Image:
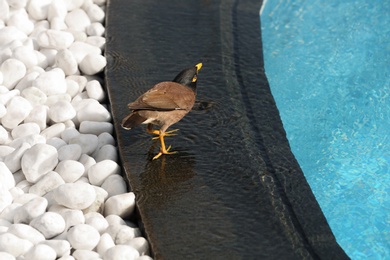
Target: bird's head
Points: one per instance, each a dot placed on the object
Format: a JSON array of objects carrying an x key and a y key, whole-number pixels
[{"x": 189, "y": 77}]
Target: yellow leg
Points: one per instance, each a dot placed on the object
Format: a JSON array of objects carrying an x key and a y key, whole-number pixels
[{"x": 163, "y": 149}]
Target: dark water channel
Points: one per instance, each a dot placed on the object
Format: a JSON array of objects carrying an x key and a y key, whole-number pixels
[{"x": 234, "y": 189}]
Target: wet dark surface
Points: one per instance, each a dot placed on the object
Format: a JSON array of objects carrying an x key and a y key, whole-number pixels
[{"x": 233, "y": 190}]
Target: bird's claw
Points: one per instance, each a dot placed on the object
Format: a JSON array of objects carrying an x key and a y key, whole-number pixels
[{"x": 162, "y": 151}]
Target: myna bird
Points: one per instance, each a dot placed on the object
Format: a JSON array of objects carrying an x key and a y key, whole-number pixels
[{"x": 164, "y": 105}]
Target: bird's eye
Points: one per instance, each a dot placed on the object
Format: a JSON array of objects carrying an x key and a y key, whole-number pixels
[{"x": 194, "y": 78}]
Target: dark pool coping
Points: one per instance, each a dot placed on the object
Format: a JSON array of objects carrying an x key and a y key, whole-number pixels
[{"x": 171, "y": 192}]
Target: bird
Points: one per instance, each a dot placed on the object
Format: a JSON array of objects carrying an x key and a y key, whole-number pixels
[{"x": 165, "y": 104}]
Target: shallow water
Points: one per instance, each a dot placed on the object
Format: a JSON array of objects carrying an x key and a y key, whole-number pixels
[{"x": 328, "y": 68}]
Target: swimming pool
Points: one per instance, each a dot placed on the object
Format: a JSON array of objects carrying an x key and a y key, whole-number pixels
[{"x": 328, "y": 64}]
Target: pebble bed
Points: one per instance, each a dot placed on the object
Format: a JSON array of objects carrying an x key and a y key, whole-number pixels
[{"x": 62, "y": 195}]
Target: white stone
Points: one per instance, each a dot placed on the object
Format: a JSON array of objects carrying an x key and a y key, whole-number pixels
[
  {"x": 28, "y": 139},
  {"x": 57, "y": 9},
  {"x": 92, "y": 64},
  {"x": 87, "y": 142},
  {"x": 20, "y": 20},
  {"x": 100, "y": 171},
  {"x": 25, "y": 55},
  {"x": 6, "y": 178},
  {"x": 54, "y": 39},
  {"x": 95, "y": 13},
  {"x": 62, "y": 111},
  {"x": 87, "y": 161},
  {"x": 50, "y": 224},
  {"x": 38, "y": 9},
  {"x": 25, "y": 130},
  {"x": 81, "y": 81},
  {"x": 81, "y": 49},
  {"x": 125, "y": 234},
  {"x": 74, "y": 4},
  {"x": 77, "y": 19},
  {"x": 46, "y": 57},
  {"x": 120, "y": 252},
  {"x": 69, "y": 133},
  {"x": 4, "y": 10},
  {"x": 5, "y": 199},
  {"x": 114, "y": 220},
  {"x": 85, "y": 254},
  {"x": 14, "y": 245},
  {"x": 4, "y": 136},
  {"x": 25, "y": 197},
  {"x": 95, "y": 90},
  {"x": 70, "y": 170},
  {"x": 38, "y": 115},
  {"x": 13, "y": 160},
  {"x": 18, "y": 109},
  {"x": 53, "y": 131},
  {"x": 27, "y": 232},
  {"x": 140, "y": 244},
  {"x": 24, "y": 186},
  {"x": 48, "y": 182},
  {"x": 51, "y": 82},
  {"x": 39, "y": 160},
  {"x": 95, "y": 29},
  {"x": 41, "y": 252},
  {"x": 98, "y": 204},
  {"x": 97, "y": 41},
  {"x": 72, "y": 87},
  {"x": 96, "y": 220},
  {"x": 13, "y": 71},
  {"x": 30, "y": 210},
  {"x": 72, "y": 218},
  {"x": 5, "y": 255},
  {"x": 57, "y": 143},
  {"x": 114, "y": 185},
  {"x": 17, "y": 4},
  {"x": 3, "y": 110},
  {"x": 6, "y": 96},
  {"x": 106, "y": 152},
  {"x": 27, "y": 80},
  {"x": 66, "y": 61},
  {"x": 94, "y": 111},
  {"x": 15, "y": 191},
  {"x": 96, "y": 128},
  {"x": 8, "y": 212},
  {"x": 9, "y": 34},
  {"x": 122, "y": 205},
  {"x": 69, "y": 152},
  {"x": 61, "y": 247},
  {"x": 5, "y": 150},
  {"x": 83, "y": 236},
  {"x": 54, "y": 99},
  {"x": 75, "y": 195},
  {"x": 58, "y": 24},
  {"x": 105, "y": 243},
  {"x": 34, "y": 95},
  {"x": 79, "y": 36}
]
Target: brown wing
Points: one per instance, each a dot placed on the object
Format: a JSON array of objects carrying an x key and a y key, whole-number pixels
[{"x": 165, "y": 96}]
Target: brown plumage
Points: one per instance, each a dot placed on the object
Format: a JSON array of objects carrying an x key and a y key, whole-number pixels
[{"x": 164, "y": 105}]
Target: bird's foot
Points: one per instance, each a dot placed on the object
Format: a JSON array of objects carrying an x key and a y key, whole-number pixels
[
  {"x": 169, "y": 133},
  {"x": 163, "y": 151}
]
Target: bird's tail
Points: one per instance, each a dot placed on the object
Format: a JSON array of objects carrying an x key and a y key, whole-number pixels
[{"x": 132, "y": 120}]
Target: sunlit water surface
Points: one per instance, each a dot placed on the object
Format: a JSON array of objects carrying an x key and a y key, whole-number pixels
[{"x": 328, "y": 64}]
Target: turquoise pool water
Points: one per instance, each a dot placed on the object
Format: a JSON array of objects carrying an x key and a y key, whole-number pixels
[{"x": 328, "y": 64}]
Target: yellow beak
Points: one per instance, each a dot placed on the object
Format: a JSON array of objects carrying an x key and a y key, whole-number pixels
[{"x": 198, "y": 66}]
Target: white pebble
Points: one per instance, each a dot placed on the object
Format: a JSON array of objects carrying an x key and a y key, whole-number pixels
[
  {"x": 69, "y": 152},
  {"x": 5, "y": 199},
  {"x": 61, "y": 111},
  {"x": 6, "y": 256},
  {"x": 69, "y": 133},
  {"x": 27, "y": 232},
  {"x": 27, "y": 80},
  {"x": 107, "y": 152},
  {"x": 9, "y": 34},
  {"x": 57, "y": 9},
  {"x": 51, "y": 82},
  {"x": 53, "y": 131},
  {"x": 114, "y": 185},
  {"x": 6, "y": 178},
  {"x": 38, "y": 9},
  {"x": 34, "y": 95},
  {"x": 13, "y": 71},
  {"x": 4, "y": 10},
  {"x": 29, "y": 139},
  {"x": 95, "y": 13},
  {"x": 72, "y": 218},
  {"x": 57, "y": 143},
  {"x": 8, "y": 213},
  {"x": 96, "y": 220},
  {"x": 19, "y": 19},
  {"x": 125, "y": 234},
  {"x": 80, "y": 49},
  {"x": 38, "y": 115},
  {"x": 98, "y": 204},
  {"x": 30, "y": 210},
  {"x": 46, "y": 57},
  {"x": 140, "y": 244},
  {"x": 25, "y": 186},
  {"x": 94, "y": 111},
  {"x": 70, "y": 170},
  {"x": 41, "y": 252},
  {"x": 7, "y": 95},
  {"x": 53, "y": 99},
  {"x": 5, "y": 150},
  {"x": 120, "y": 252},
  {"x": 66, "y": 61},
  {"x": 83, "y": 236},
  {"x": 95, "y": 29},
  {"x": 25, "y": 129},
  {"x": 97, "y": 41},
  {"x": 92, "y": 64},
  {"x": 25, "y": 55},
  {"x": 48, "y": 182},
  {"x": 77, "y": 20},
  {"x": 95, "y": 90},
  {"x": 4, "y": 136},
  {"x": 85, "y": 254},
  {"x": 87, "y": 142},
  {"x": 61, "y": 247},
  {"x": 75, "y": 195},
  {"x": 96, "y": 128},
  {"x": 50, "y": 224},
  {"x": 122, "y": 205},
  {"x": 39, "y": 160},
  {"x": 18, "y": 109},
  {"x": 106, "y": 242},
  {"x": 13, "y": 160},
  {"x": 100, "y": 171},
  {"x": 14, "y": 245}
]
